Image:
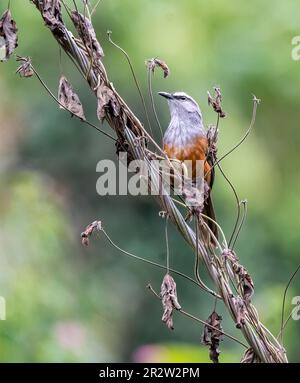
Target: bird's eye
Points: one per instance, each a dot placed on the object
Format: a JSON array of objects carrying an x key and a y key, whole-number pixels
[{"x": 182, "y": 98}]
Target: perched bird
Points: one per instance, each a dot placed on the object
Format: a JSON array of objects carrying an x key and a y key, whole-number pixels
[{"x": 186, "y": 139}]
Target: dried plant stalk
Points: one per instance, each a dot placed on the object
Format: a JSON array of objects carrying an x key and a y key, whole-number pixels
[{"x": 222, "y": 269}]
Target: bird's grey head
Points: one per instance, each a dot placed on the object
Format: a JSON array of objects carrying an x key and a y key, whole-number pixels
[{"x": 182, "y": 106}]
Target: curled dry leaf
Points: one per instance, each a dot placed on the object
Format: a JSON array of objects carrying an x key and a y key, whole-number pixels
[
  {"x": 248, "y": 287},
  {"x": 212, "y": 138},
  {"x": 51, "y": 11},
  {"x": 216, "y": 102},
  {"x": 245, "y": 281},
  {"x": 193, "y": 197},
  {"x": 25, "y": 69},
  {"x": 8, "y": 36},
  {"x": 240, "y": 311},
  {"x": 155, "y": 62},
  {"x": 212, "y": 336},
  {"x": 168, "y": 295},
  {"x": 107, "y": 102},
  {"x": 69, "y": 99},
  {"x": 89, "y": 230},
  {"x": 87, "y": 34}
]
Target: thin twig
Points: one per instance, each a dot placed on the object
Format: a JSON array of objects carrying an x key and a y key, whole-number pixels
[
  {"x": 245, "y": 204},
  {"x": 148, "y": 261},
  {"x": 217, "y": 163},
  {"x": 86, "y": 10},
  {"x": 95, "y": 7},
  {"x": 167, "y": 244},
  {"x": 285, "y": 324},
  {"x": 255, "y": 104},
  {"x": 185, "y": 313},
  {"x": 284, "y": 299},
  {"x": 88, "y": 51},
  {"x": 152, "y": 101},
  {"x": 60, "y": 104},
  {"x": 197, "y": 256},
  {"x": 134, "y": 78},
  {"x": 219, "y": 227},
  {"x": 237, "y": 202}
]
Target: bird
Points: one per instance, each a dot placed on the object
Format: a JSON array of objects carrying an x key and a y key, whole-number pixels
[{"x": 186, "y": 140}]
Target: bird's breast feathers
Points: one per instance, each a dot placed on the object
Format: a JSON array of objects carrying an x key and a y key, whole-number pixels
[
  {"x": 185, "y": 143},
  {"x": 187, "y": 147}
]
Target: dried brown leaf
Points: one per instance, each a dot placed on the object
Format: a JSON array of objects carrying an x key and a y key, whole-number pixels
[
  {"x": 248, "y": 288},
  {"x": 245, "y": 281},
  {"x": 107, "y": 102},
  {"x": 25, "y": 69},
  {"x": 87, "y": 34},
  {"x": 155, "y": 62},
  {"x": 8, "y": 36},
  {"x": 69, "y": 99},
  {"x": 212, "y": 138},
  {"x": 240, "y": 311},
  {"x": 212, "y": 336},
  {"x": 89, "y": 230},
  {"x": 216, "y": 101},
  {"x": 169, "y": 300},
  {"x": 51, "y": 11},
  {"x": 194, "y": 198}
]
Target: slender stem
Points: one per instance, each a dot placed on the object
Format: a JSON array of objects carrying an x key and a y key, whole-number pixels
[
  {"x": 219, "y": 227},
  {"x": 285, "y": 324},
  {"x": 217, "y": 163},
  {"x": 75, "y": 5},
  {"x": 212, "y": 327},
  {"x": 134, "y": 78},
  {"x": 88, "y": 51},
  {"x": 284, "y": 299},
  {"x": 152, "y": 101},
  {"x": 60, "y": 104},
  {"x": 167, "y": 244},
  {"x": 185, "y": 313},
  {"x": 95, "y": 7},
  {"x": 86, "y": 10},
  {"x": 244, "y": 203},
  {"x": 255, "y": 104},
  {"x": 197, "y": 256},
  {"x": 237, "y": 202},
  {"x": 148, "y": 261}
]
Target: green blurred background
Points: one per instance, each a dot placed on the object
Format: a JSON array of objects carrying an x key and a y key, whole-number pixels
[{"x": 69, "y": 303}]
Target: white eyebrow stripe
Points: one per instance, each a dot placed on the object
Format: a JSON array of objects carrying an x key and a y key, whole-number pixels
[{"x": 182, "y": 94}]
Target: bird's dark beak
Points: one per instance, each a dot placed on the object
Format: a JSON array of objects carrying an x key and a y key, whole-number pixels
[{"x": 166, "y": 95}]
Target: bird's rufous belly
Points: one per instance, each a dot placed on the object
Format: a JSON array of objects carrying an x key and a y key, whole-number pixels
[{"x": 195, "y": 151}]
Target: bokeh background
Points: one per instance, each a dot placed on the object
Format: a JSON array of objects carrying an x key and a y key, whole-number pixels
[{"x": 69, "y": 303}]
